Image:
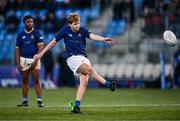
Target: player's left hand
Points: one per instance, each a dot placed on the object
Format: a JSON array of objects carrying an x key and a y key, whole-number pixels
[{"x": 109, "y": 40}]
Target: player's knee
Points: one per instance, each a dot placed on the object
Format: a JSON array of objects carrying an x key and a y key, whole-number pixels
[
  {"x": 36, "y": 81},
  {"x": 88, "y": 71},
  {"x": 25, "y": 82},
  {"x": 85, "y": 69}
]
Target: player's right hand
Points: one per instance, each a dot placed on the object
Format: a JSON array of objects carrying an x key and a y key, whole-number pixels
[{"x": 37, "y": 56}]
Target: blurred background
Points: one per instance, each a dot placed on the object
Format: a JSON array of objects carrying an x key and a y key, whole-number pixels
[{"x": 138, "y": 59}]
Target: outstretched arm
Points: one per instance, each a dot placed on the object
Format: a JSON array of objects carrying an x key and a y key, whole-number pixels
[
  {"x": 49, "y": 46},
  {"x": 100, "y": 38}
]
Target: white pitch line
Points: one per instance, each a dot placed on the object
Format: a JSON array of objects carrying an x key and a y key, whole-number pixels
[
  {"x": 124, "y": 105},
  {"x": 134, "y": 105},
  {"x": 120, "y": 105}
]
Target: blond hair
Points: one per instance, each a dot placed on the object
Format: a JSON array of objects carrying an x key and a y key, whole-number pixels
[{"x": 73, "y": 18}]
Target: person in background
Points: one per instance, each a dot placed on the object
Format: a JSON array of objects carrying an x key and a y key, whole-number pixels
[{"x": 29, "y": 42}]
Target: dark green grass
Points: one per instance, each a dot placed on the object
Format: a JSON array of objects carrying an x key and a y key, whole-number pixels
[{"x": 98, "y": 104}]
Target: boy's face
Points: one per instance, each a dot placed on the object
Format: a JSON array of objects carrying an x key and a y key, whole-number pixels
[
  {"x": 75, "y": 26},
  {"x": 29, "y": 23}
]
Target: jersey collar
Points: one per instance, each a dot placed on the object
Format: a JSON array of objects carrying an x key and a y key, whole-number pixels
[{"x": 29, "y": 31}]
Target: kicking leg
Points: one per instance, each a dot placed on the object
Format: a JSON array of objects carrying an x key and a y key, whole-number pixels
[{"x": 86, "y": 69}]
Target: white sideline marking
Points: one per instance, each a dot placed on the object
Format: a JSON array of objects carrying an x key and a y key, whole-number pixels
[
  {"x": 120, "y": 105},
  {"x": 128, "y": 105},
  {"x": 134, "y": 105}
]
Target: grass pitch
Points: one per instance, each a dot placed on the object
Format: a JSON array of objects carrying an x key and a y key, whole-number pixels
[{"x": 98, "y": 104}]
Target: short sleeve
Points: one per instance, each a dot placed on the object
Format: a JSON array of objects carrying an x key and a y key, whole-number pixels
[
  {"x": 60, "y": 35},
  {"x": 86, "y": 32},
  {"x": 18, "y": 41},
  {"x": 40, "y": 37}
]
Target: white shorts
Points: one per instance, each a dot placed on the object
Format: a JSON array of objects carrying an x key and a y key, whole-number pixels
[
  {"x": 26, "y": 63},
  {"x": 75, "y": 61}
]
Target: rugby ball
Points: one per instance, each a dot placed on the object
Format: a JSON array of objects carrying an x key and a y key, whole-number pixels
[{"x": 170, "y": 37}]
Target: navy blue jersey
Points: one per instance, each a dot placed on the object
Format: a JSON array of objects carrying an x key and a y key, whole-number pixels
[
  {"x": 75, "y": 42},
  {"x": 27, "y": 43}
]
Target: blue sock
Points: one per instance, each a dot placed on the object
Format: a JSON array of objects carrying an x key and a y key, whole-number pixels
[
  {"x": 77, "y": 103},
  {"x": 107, "y": 84}
]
